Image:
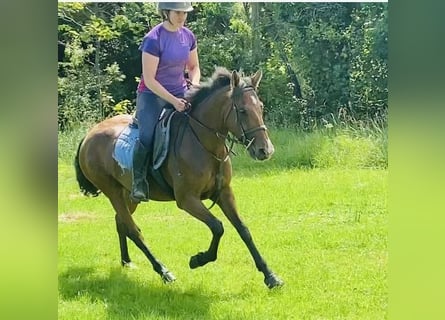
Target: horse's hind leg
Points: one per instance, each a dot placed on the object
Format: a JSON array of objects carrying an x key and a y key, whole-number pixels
[
  {"x": 198, "y": 210},
  {"x": 126, "y": 227},
  {"x": 122, "y": 232},
  {"x": 227, "y": 203}
]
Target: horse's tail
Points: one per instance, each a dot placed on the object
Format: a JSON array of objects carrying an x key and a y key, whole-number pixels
[{"x": 86, "y": 186}]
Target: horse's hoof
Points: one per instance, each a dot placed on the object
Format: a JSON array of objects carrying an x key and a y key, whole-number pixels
[
  {"x": 195, "y": 261},
  {"x": 168, "y": 277},
  {"x": 273, "y": 281},
  {"x": 129, "y": 265}
]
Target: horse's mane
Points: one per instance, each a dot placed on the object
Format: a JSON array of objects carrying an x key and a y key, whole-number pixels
[{"x": 220, "y": 79}]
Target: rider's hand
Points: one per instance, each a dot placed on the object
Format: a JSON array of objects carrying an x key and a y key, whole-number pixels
[{"x": 180, "y": 104}]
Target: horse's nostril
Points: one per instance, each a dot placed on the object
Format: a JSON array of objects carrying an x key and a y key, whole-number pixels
[{"x": 262, "y": 154}]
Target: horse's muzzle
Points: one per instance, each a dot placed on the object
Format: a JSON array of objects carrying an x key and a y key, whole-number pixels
[{"x": 262, "y": 152}]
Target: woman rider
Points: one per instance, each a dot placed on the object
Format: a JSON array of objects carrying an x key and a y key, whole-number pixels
[{"x": 167, "y": 51}]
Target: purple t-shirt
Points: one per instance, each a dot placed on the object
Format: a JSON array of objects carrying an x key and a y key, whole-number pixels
[{"x": 173, "y": 50}]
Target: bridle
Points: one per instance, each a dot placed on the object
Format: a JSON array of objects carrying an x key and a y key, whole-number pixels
[{"x": 243, "y": 139}]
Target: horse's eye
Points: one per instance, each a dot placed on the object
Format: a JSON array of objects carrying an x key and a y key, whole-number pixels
[{"x": 242, "y": 110}]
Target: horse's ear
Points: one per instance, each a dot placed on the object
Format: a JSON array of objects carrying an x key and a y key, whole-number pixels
[
  {"x": 235, "y": 79},
  {"x": 256, "y": 78}
]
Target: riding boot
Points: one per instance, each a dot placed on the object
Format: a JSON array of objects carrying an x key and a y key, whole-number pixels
[{"x": 139, "y": 188}]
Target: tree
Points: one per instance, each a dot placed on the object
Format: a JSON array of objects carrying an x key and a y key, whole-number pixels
[{"x": 319, "y": 60}]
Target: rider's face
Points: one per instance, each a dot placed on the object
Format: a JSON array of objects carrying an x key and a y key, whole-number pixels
[{"x": 177, "y": 18}]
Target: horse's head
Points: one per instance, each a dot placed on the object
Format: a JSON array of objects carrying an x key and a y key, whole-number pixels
[{"x": 245, "y": 120}]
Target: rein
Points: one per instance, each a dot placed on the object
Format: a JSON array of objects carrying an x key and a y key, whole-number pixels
[
  {"x": 243, "y": 138},
  {"x": 222, "y": 161}
]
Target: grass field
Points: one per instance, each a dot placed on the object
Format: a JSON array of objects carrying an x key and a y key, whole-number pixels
[{"x": 322, "y": 230}]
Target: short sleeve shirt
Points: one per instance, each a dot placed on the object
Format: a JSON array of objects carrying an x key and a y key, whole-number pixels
[{"x": 173, "y": 50}]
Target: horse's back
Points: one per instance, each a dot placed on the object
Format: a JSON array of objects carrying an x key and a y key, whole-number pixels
[
  {"x": 95, "y": 154},
  {"x": 110, "y": 128}
]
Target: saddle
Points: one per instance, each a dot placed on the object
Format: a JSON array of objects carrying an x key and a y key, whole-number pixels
[
  {"x": 162, "y": 137},
  {"x": 125, "y": 144}
]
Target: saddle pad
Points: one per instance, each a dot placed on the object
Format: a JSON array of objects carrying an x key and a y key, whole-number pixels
[{"x": 124, "y": 147}]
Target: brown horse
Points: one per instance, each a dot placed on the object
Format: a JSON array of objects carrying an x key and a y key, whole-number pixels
[{"x": 197, "y": 166}]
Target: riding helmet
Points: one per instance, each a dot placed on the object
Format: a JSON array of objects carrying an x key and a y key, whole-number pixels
[{"x": 176, "y": 6}]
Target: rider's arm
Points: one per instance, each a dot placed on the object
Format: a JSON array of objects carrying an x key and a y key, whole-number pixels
[
  {"x": 149, "y": 66},
  {"x": 193, "y": 67}
]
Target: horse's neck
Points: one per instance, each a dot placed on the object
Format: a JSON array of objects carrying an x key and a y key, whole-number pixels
[
  {"x": 210, "y": 127},
  {"x": 214, "y": 110}
]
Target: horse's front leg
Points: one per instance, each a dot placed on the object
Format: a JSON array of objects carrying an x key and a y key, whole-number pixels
[
  {"x": 196, "y": 208},
  {"x": 227, "y": 204}
]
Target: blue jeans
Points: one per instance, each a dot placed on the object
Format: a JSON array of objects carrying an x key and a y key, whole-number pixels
[{"x": 148, "y": 109}]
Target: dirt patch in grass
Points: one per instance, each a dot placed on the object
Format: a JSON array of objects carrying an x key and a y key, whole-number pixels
[{"x": 75, "y": 216}]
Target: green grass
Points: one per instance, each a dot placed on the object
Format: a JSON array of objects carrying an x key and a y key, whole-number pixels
[
  {"x": 322, "y": 230},
  {"x": 341, "y": 148}
]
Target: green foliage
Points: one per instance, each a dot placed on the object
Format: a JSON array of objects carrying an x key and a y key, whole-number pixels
[
  {"x": 279, "y": 109},
  {"x": 123, "y": 107},
  {"x": 95, "y": 40},
  {"x": 84, "y": 91},
  {"x": 317, "y": 58},
  {"x": 322, "y": 46},
  {"x": 369, "y": 71},
  {"x": 224, "y": 36}
]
